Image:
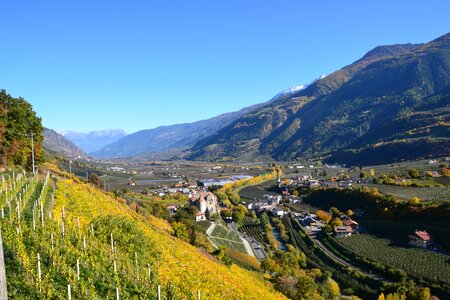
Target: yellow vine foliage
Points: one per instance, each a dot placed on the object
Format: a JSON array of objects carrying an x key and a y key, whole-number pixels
[{"x": 185, "y": 266}]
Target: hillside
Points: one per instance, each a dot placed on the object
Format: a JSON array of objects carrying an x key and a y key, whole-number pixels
[
  {"x": 94, "y": 140},
  {"x": 395, "y": 97},
  {"x": 55, "y": 142},
  {"x": 73, "y": 243},
  {"x": 168, "y": 138}
]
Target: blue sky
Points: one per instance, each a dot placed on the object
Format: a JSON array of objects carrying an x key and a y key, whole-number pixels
[{"x": 87, "y": 65}]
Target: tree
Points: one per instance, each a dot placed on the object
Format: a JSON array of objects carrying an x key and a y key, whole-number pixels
[
  {"x": 17, "y": 122},
  {"x": 287, "y": 285},
  {"x": 323, "y": 215},
  {"x": 264, "y": 219},
  {"x": 446, "y": 172},
  {"x": 363, "y": 175},
  {"x": 331, "y": 289},
  {"x": 306, "y": 287},
  {"x": 336, "y": 222},
  {"x": 424, "y": 294},
  {"x": 180, "y": 231},
  {"x": 414, "y": 173},
  {"x": 221, "y": 196},
  {"x": 221, "y": 255},
  {"x": 414, "y": 201},
  {"x": 239, "y": 213},
  {"x": 234, "y": 198},
  {"x": 349, "y": 212},
  {"x": 94, "y": 179},
  {"x": 335, "y": 212},
  {"x": 371, "y": 172}
]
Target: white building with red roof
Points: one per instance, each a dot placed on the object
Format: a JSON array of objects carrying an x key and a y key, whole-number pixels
[
  {"x": 199, "y": 216},
  {"x": 420, "y": 238}
]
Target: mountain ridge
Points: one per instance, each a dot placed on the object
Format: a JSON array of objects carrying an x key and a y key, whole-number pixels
[
  {"x": 56, "y": 142},
  {"x": 333, "y": 112}
]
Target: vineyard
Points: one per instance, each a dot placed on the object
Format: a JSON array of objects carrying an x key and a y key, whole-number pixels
[
  {"x": 438, "y": 194},
  {"x": 253, "y": 192},
  {"x": 222, "y": 236},
  {"x": 251, "y": 228},
  {"x": 427, "y": 265},
  {"x": 83, "y": 243}
]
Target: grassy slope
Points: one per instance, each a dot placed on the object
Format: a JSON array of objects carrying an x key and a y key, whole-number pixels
[{"x": 182, "y": 264}]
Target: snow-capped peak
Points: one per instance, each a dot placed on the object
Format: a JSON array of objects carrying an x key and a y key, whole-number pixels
[{"x": 294, "y": 89}]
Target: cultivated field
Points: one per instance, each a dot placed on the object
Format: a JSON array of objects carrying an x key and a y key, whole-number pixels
[
  {"x": 428, "y": 265},
  {"x": 437, "y": 194}
]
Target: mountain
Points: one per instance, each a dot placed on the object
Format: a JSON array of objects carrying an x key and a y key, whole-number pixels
[
  {"x": 394, "y": 97},
  {"x": 169, "y": 139},
  {"x": 55, "y": 142},
  {"x": 94, "y": 140}
]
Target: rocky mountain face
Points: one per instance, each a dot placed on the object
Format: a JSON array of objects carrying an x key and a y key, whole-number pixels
[
  {"x": 55, "y": 142},
  {"x": 394, "y": 97},
  {"x": 94, "y": 140}
]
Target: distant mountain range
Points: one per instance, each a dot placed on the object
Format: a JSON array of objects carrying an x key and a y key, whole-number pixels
[
  {"x": 57, "y": 143},
  {"x": 392, "y": 104},
  {"x": 171, "y": 139},
  {"x": 94, "y": 140}
]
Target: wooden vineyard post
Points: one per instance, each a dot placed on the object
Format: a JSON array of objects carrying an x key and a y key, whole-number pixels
[
  {"x": 136, "y": 265},
  {"x": 159, "y": 292},
  {"x": 42, "y": 215},
  {"x": 78, "y": 269},
  {"x": 39, "y": 271},
  {"x": 112, "y": 245},
  {"x": 69, "y": 295},
  {"x": 198, "y": 294},
  {"x": 3, "y": 285},
  {"x": 117, "y": 293},
  {"x": 149, "y": 273}
]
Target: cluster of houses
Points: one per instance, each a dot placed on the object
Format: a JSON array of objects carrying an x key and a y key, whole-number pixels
[
  {"x": 268, "y": 203},
  {"x": 206, "y": 203},
  {"x": 308, "y": 181}
]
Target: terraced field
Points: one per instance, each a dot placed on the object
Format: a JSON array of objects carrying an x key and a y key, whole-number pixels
[{"x": 222, "y": 236}]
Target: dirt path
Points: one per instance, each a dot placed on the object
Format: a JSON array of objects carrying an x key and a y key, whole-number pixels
[{"x": 211, "y": 228}]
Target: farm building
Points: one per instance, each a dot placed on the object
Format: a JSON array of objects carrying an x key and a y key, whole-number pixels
[
  {"x": 349, "y": 222},
  {"x": 420, "y": 239},
  {"x": 342, "y": 231}
]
